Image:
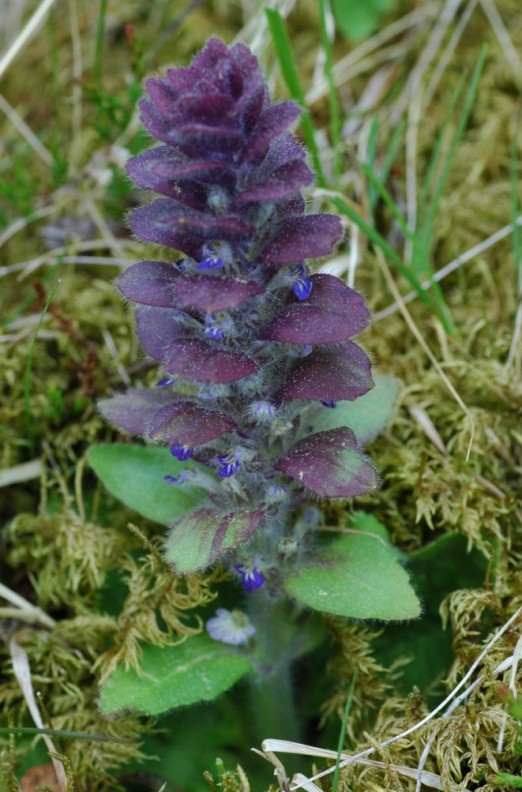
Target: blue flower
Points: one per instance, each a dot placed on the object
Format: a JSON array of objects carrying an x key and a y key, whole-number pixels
[
  {"x": 165, "y": 382},
  {"x": 251, "y": 577},
  {"x": 230, "y": 627},
  {"x": 181, "y": 452},
  {"x": 213, "y": 328},
  {"x": 229, "y": 464},
  {"x": 301, "y": 283},
  {"x": 215, "y": 254}
]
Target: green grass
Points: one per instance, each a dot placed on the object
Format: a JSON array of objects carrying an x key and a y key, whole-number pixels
[
  {"x": 290, "y": 72},
  {"x": 342, "y": 735}
]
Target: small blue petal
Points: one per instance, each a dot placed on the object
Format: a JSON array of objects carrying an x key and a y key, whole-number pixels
[
  {"x": 181, "y": 452},
  {"x": 229, "y": 464},
  {"x": 251, "y": 578},
  {"x": 328, "y": 403},
  {"x": 214, "y": 255},
  {"x": 213, "y": 327},
  {"x": 228, "y": 469},
  {"x": 302, "y": 288},
  {"x": 163, "y": 383},
  {"x": 214, "y": 332},
  {"x": 209, "y": 263},
  {"x": 300, "y": 282}
]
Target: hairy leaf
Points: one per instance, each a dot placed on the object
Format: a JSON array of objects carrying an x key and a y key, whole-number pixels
[
  {"x": 367, "y": 416},
  {"x": 199, "y": 669},
  {"x": 204, "y": 535},
  {"x": 358, "y": 575},
  {"x": 333, "y": 312},
  {"x": 134, "y": 475},
  {"x": 330, "y": 464}
]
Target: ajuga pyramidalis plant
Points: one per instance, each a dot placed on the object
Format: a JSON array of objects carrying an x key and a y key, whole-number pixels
[
  {"x": 245, "y": 336},
  {"x": 253, "y": 349}
]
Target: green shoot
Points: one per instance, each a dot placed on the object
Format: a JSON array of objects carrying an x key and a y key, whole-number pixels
[
  {"x": 379, "y": 190},
  {"x": 420, "y": 262},
  {"x": 391, "y": 151},
  {"x": 342, "y": 735},
  {"x": 333, "y": 99},
  {"x": 290, "y": 74},
  {"x": 371, "y": 158},
  {"x": 377, "y": 239}
]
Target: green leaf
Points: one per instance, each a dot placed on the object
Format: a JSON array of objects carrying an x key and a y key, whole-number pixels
[
  {"x": 199, "y": 669},
  {"x": 201, "y": 537},
  {"x": 367, "y": 416},
  {"x": 358, "y": 575},
  {"x": 357, "y": 19},
  {"x": 134, "y": 474}
]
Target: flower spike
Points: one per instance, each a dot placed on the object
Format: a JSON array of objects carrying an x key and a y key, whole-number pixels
[{"x": 247, "y": 337}]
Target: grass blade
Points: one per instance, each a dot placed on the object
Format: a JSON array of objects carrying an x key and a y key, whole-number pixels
[
  {"x": 371, "y": 160},
  {"x": 379, "y": 190},
  {"x": 342, "y": 735},
  {"x": 391, "y": 151},
  {"x": 333, "y": 99},
  {"x": 376, "y": 238},
  {"x": 424, "y": 236},
  {"x": 290, "y": 74}
]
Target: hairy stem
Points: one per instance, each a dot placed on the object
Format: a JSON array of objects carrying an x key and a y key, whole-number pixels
[{"x": 271, "y": 694}]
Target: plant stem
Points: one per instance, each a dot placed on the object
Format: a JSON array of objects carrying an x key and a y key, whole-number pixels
[{"x": 271, "y": 694}]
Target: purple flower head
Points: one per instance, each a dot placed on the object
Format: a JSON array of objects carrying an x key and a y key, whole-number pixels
[
  {"x": 251, "y": 577},
  {"x": 230, "y": 627},
  {"x": 245, "y": 335}
]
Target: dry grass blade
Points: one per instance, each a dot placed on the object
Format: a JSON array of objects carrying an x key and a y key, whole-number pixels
[
  {"x": 22, "y": 672},
  {"x": 25, "y": 34},
  {"x": 26, "y": 132}
]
